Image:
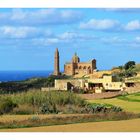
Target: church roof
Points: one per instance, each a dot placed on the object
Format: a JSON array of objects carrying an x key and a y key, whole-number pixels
[{"x": 75, "y": 58}]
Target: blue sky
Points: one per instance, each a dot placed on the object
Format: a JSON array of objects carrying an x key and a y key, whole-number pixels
[{"x": 28, "y": 37}]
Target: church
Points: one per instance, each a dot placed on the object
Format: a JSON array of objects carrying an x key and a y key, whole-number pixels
[
  {"x": 96, "y": 85},
  {"x": 75, "y": 66}
]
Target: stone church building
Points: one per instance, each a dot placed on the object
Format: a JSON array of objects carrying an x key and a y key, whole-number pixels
[{"x": 75, "y": 66}]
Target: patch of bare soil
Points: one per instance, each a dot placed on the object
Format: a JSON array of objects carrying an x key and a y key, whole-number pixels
[{"x": 105, "y": 95}]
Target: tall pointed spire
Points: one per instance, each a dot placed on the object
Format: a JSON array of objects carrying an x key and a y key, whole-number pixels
[{"x": 56, "y": 63}]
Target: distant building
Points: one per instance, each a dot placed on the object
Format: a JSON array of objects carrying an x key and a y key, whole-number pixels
[
  {"x": 99, "y": 85},
  {"x": 77, "y": 67},
  {"x": 95, "y": 85}
]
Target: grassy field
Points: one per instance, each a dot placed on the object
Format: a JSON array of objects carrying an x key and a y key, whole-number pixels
[
  {"x": 130, "y": 103},
  {"x": 108, "y": 126},
  {"x": 96, "y": 123}
]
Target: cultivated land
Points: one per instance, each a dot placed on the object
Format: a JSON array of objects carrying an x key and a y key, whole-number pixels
[
  {"x": 130, "y": 103},
  {"x": 108, "y": 126}
]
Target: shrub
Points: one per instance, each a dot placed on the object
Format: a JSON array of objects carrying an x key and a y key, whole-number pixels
[
  {"x": 56, "y": 101},
  {"x": 24, "y": 110},
  {"x": 47, "y": 109},
  {"x": 7, "y": 106},
  {"x": 35, "y": 101},
  {"x": 96, "y": 108},
  {"x": 116, "y": 109},
  {"x": 34, "y": 118},
  {"x": 129, "y": 65}
]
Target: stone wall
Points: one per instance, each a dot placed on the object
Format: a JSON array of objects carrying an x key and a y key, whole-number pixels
[
  {"x": 81, "y": 67},
  {"x": 133, "y": 89},
  {"x": 108, "y": 83},
  {"x": 68, "y": 69},
  {"x": 76, "y": 67},
  {"x": 67, "y": 84}
]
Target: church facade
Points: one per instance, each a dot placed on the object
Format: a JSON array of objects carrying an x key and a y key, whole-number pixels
[{"x": 76, "y": 67}]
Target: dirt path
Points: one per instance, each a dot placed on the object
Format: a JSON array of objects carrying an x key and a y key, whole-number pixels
[{"x": 110, "y": 126}]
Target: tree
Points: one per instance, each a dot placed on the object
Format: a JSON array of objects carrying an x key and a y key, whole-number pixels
[
  {"x": 120, "y": 67},
  {"x": 129, "y": 65}
]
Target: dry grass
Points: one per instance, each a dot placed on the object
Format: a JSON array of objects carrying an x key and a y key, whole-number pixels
[
  {"x": 109, "y": 126},
  {"x": 22, "y": 121},
  {"x": 5, "y": 118}
]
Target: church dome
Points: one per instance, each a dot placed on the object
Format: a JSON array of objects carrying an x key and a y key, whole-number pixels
[{"x": 75, "y": 59}]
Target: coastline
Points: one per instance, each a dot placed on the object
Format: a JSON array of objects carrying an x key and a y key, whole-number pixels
[{"x": 16, "y": 76}]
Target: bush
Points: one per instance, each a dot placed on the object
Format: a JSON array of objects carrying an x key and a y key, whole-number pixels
[
  {"x": 7, "y": 106},
  {"x": 35, "y": 101},
  {"x": 97, "y": 108},
  {"x": 57, "y": 102},
  {"x": 24, "y": 110},
  {"x": 129, "y": 65},
  {"x": 116, "y": 109},
  {"x": 34, "y": 118},
  {"x": 47, "y": 109}
]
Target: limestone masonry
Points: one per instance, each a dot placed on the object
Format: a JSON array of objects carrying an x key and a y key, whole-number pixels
[
  {"x": 95, "y": 85},
  {"x": 56, "y": 63},
  {"x": 75, "y": 66}
]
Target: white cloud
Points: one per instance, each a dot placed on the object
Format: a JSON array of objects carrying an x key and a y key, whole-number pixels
[
  {"x": 114, "y": 40},
  {"x": 68, "y": 36},
  {"x": 120, "y": 41},
  {"x": 17, "y": 32},
  {"x": 23, "y": 32},
  {"x": 133, "y": 25},
  {"x": 102, "y": 24},
  {"x": 121, "y": 10},
  {"x": 75, "y": 36},
  {"x": 110, "y": 25},
  {"x": 45, "y": 41},
  {"x": 137, "y": 39},
  {"x": 18, "y": 14},
  {"x": 28, "y": 17},
  {"x": 52, "y": 40},
  {"x": 63, "y": 38}
]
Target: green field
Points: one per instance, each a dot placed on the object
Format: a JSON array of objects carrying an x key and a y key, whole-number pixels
[{"x": 130, "y": 103}]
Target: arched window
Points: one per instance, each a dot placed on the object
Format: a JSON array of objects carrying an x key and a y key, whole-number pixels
[
  {"x": 84, "y": 67},
  {"x": 80, "y": 67},
  {"x": 89, "y": 67}
]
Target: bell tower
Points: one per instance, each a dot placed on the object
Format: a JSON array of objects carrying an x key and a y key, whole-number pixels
[{"x": 56, "y": 63}]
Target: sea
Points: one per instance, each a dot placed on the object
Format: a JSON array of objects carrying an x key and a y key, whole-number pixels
[{"x": 6, "y": 76}]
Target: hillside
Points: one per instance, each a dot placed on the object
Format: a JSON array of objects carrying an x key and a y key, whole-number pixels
[
  {"x": 138, "y": 68},
  {"x": 137, "y": 77}
]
